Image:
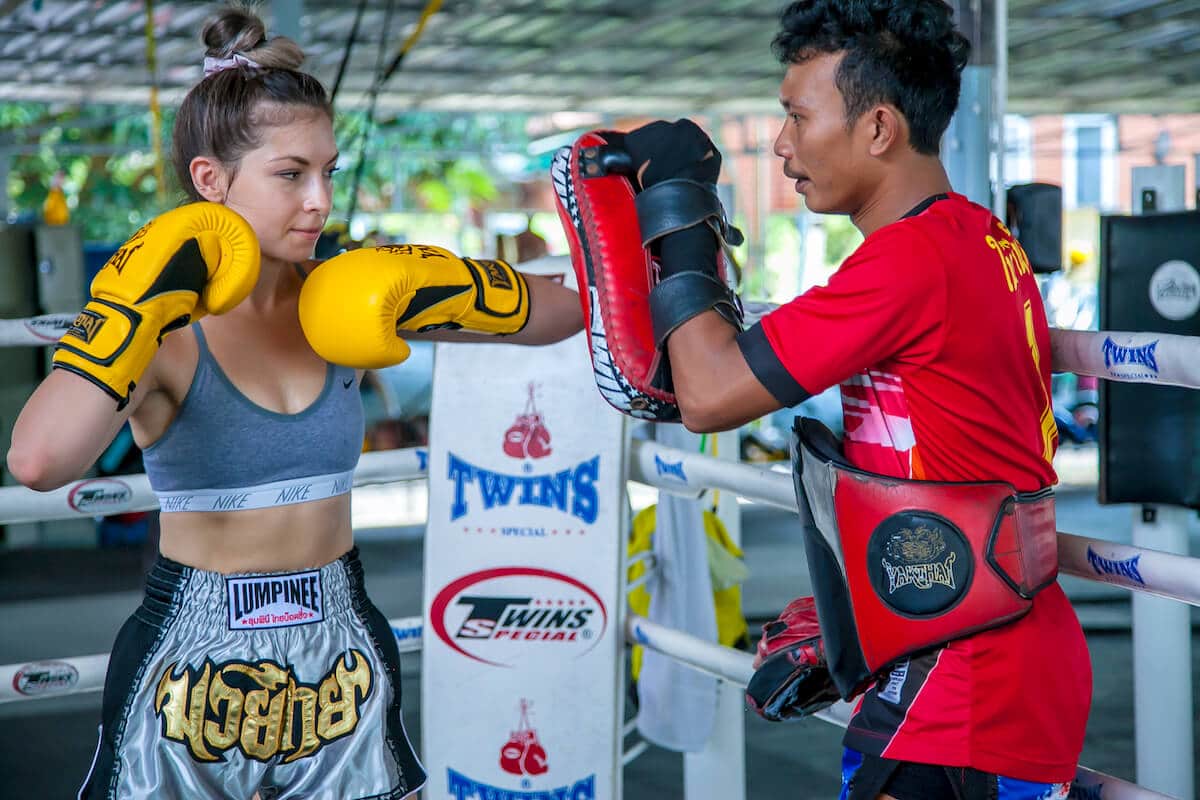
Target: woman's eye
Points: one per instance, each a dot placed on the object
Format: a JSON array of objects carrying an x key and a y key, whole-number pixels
[
  {"x": 290, "y": 175},
  {"x": 329, "y": 172}
]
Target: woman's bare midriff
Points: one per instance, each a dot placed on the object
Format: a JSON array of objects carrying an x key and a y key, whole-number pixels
[{"x": 280, "y": 539}]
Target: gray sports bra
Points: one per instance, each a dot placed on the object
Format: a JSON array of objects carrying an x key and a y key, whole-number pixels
[{"x": 223, "y": 452}]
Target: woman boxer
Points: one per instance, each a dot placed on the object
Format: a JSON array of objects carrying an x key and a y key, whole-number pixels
[{"x": 255, "y": 663}]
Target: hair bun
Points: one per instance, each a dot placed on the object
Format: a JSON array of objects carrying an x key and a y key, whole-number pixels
[{"x": 237, "y": 29}]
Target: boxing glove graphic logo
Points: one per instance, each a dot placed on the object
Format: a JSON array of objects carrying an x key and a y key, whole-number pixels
[
  {"x": 522, "y": 754},
  {"x": 528, "y": 436}
]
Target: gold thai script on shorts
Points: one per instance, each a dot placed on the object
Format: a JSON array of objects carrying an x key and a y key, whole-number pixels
[
  {"x": 260, "y": 708},
  {"x": 923, "y": 576}
]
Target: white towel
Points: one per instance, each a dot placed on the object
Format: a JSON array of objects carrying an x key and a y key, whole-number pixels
[{"x": 678, "y": 704}]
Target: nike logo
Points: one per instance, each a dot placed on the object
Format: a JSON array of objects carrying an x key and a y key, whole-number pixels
[{"x": 346, "y": 383}]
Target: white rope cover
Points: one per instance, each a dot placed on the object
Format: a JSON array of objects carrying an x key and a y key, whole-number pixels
[
  {"x": 1160, "y": 358},
  {"x": 1165, "y": 359},
  {"x": 34, "y": 330},
  {"x": 119, "y": 494},
  {"x": 62, "y": 676},
  {"x": 1138, "y": 569}
]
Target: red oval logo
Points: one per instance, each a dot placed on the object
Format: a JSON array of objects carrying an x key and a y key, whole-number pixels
[
  {"x": 507, "y": 616},
  {"x": 100, "y": 496},
  {"x": 45, "y": 677}
]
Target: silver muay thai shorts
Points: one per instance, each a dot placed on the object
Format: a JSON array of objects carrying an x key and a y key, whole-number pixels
[{"x": 284, "y": 684}]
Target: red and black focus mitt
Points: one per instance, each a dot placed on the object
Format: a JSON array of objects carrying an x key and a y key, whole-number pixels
[
  {"x": 649, "y": 243},
  {"x": 791, "y": 679}
]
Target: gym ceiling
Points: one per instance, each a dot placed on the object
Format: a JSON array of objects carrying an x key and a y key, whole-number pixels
[{"x": 627, "y": 57}]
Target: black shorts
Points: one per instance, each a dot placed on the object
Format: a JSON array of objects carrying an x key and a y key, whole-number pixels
[{"x": 865, "y": 777}]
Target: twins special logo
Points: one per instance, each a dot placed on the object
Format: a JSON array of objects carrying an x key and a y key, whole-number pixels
[
  {"x": 670, "y": 469},
  {"x": 919, "y": 563},
  {"x": 1130, "y": 362},
  {"x": 528, "y": 436},
  {"x": 1125, "y": 568},
  {"x": 45, "y": 677},
  {"x": 261, "y": 709},
  {"x": 49, "y": 328},
  {"x": 571, "y": 490},
  {"x": 460, "y": 787},
  {"x": 100, "y": 496},
  {"x": 509, "y": 616}
]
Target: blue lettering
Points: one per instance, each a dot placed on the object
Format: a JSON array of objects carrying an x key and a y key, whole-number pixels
[
  {"x": 586, "y": 504},
  {"x": 177, "y": 503},
  {"x": 547, "y": 491},
  {"x": 423, "y": 460},
  {"x": 230, "y": 502},
  {"x": 1116, "y": 355},
  {"x": 495, "y": 488},
  {"x": 293, "y": 494},
  {"x": 461, "y": 787},
  {"x": 670, "y": 469},
  {"x": 460, "y": 473},
  {"x": 552, "y": 490},
  {"x": 1122, "y": 569},
  {"x": 404, "y": 634}
]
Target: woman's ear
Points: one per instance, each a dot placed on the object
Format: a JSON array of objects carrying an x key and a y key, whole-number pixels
[{"x": 210, "y": 178}]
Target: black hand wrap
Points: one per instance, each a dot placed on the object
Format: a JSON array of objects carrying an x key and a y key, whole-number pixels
[
  {"x": 685, "y": 219},
  {"x": 683, "y": 223}
]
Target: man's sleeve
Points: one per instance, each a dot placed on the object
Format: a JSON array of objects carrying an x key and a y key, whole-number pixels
[{"x": 886, "y": 302}]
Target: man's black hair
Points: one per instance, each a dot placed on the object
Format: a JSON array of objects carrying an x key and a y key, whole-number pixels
[{"x": 903, "y": 52}]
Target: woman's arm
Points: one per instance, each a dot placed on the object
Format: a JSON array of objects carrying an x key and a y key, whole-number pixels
[
  {"x": 64, "y": 427},
  {"x": 554, "y": 315}
]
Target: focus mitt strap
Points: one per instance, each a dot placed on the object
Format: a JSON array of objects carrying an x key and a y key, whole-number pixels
[
  {"x": 620, "y": 239},
  {"x": 791, "y": 679}
]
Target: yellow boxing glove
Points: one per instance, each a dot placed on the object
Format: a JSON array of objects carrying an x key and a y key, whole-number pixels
[
  {"x": 353, "y": 306},
  {"x": 199, "y": 259}
]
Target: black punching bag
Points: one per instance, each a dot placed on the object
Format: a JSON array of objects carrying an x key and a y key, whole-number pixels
[
  {"x": 1149, "y": 435},
  {"x": 1034, "y": 216}
]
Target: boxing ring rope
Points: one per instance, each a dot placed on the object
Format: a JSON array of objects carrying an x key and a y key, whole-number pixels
[
  {"x": 34, "y": 330},
  {"x": 120, "y": 494},
  {"x": 63, "y": 676},
  {"x": 1133, "y": 357},
  {"x": 650, "y": 463},
  {"x": 1167, "y": 359}
]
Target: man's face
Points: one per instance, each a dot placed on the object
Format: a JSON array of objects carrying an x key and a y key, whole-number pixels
[{"x": 818, "y": 149}]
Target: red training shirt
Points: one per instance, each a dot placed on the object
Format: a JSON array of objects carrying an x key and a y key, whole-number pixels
[{"x": 934, "y": 329}]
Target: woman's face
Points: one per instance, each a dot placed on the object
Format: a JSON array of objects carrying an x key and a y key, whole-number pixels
[{"x": 284, "y": 187}]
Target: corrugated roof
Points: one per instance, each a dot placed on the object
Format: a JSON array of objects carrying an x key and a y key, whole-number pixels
[{"x": 616, "y": 56}]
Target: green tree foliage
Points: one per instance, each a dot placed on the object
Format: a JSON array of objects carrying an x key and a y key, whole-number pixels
[
  {"x": 105, "y": 155},
  {"x": 414, "y": 161}
]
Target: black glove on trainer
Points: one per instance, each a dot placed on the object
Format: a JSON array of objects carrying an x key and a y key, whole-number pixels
[{"x": 681, "y": 217}]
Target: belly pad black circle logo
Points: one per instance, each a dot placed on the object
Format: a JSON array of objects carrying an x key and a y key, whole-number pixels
[{"x": 919, "y": 563}]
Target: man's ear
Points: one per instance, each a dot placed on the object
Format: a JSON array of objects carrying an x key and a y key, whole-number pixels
[
  {"x": 886, "y": 128},
  {"x": 210, "y": 178}
]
